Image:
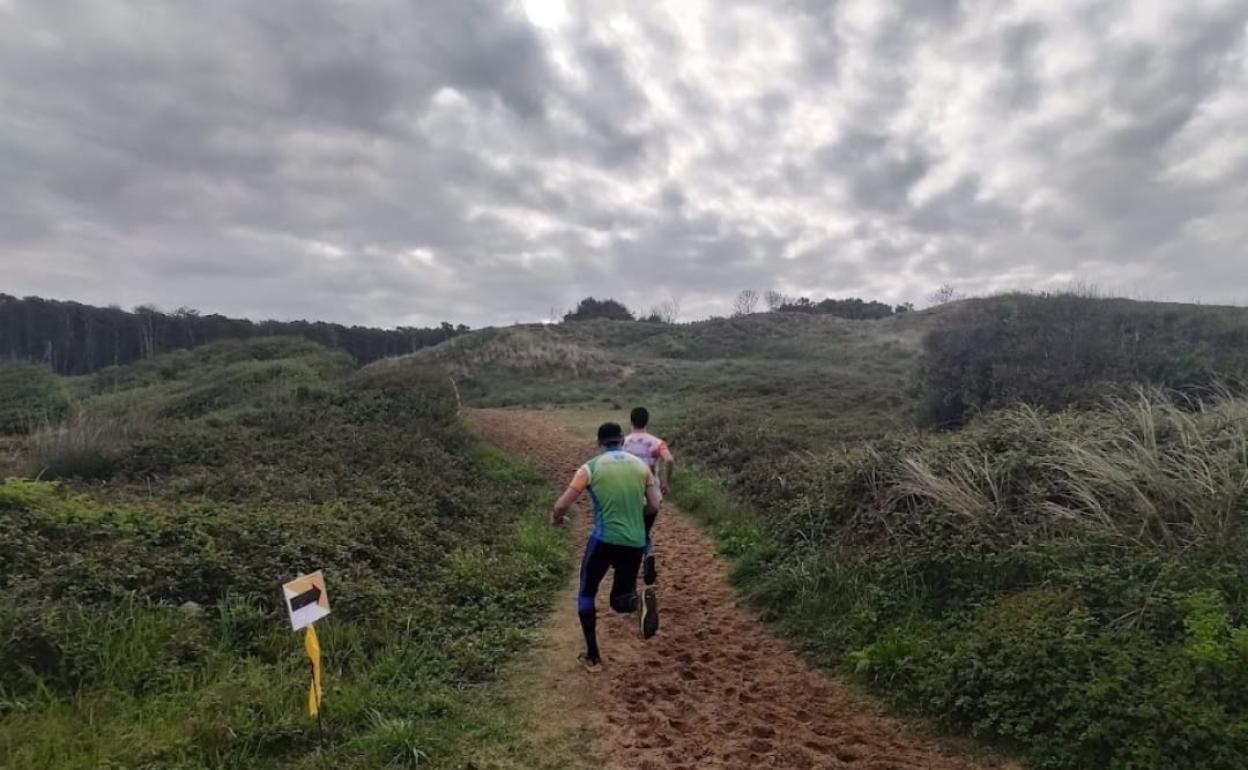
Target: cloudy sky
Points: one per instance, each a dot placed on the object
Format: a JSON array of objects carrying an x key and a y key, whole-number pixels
[{"x": 397, "y": 162}]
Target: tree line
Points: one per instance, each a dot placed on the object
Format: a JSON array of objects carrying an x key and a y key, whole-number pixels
[
  {"x": 745, "y": 303},
  {"x": 74, "y": 338},
  {"x": 849, "y": 307}
]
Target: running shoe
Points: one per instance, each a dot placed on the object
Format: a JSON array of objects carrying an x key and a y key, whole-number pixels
[
  {"x": 648, "y": 613},
  {"x": 592, "y": 665}
]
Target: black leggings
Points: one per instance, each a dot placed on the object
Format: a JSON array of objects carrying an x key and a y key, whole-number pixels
[{"x": 600, "y": 557}]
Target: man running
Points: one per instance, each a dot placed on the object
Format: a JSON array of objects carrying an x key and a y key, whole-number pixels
[
  {"x": 623, "y": 492},
  {"x": 651, "y": 449}
]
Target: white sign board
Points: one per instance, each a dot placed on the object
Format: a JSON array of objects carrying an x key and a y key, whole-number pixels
[{"x": 306, "y": 599}]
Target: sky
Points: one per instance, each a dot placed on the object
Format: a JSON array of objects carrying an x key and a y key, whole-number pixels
[{"x": 388, "y": 162}]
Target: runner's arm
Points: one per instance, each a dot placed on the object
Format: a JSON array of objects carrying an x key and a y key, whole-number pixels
[
  {"x": 652, "y": 499},
  {"x": 579, "y": 482},
  {"x": 560, "y": 514},
  {"x": 665, "y": 468}
]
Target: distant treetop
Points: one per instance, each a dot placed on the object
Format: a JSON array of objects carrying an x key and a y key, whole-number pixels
[
  {"x": 851, "y": 307},
  {"x": 609, "y": 309}
]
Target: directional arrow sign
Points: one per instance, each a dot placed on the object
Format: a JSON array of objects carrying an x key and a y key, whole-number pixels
[
  {"x": 306, "y": 599},
  {"x": 310, "y": 596}
]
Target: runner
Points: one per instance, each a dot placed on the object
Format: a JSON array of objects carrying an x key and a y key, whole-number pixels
[
  {"x": 623, "y": 491},
  {"x": 651, "y": 449}
]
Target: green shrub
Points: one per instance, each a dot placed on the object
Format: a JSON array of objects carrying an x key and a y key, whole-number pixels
[
  {"x": 1054, "y": 351},
  {"x": 30, "y": 396}
]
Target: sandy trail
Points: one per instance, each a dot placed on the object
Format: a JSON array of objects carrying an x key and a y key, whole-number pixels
[{"x": 714, "y": 689}]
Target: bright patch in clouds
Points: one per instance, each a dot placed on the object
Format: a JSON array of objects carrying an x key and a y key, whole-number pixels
[{"x": 546, "y": 13}]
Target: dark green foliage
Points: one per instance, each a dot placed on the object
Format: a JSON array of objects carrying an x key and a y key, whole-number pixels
[
  {"x": 1054, "y": 351},
  {"x": 852, "y": 308},
  {"x": 1066, "y": 680},
  {"x": 30, "y": 396},
  {"x": 77, "y": 339},
  {"x": 590, "y": 308},
  {"x": 260, "y": 461},
  {"x": 761, "y": 457}
]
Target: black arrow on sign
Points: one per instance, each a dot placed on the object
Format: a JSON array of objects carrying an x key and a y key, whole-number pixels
[{"x": 310, "y": 596}]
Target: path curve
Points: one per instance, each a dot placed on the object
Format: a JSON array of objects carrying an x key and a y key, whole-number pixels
[{"x": 715, "y": 689}]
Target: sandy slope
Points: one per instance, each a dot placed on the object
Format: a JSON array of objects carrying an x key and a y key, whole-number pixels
[{"x": 714, "y": 689}]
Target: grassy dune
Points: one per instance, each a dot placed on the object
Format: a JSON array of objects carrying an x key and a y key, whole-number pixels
[
  {"x": 811, "y": 376},
  {"x": 1022, "y": 517},
  {"x": 212, "y": 476},
  {"x": 1058, "y": 569}
]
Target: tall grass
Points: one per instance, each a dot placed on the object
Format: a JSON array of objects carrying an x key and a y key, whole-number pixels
[
  {"x": 1174, "y": 473},
  {"x": 85, "y": 446},
  {"x": 1154, "y": 469}
]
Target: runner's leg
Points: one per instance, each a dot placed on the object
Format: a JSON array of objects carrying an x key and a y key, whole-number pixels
[
  {"x": 626, "y": 562},
  {"x": 594, "y": 566},
  {"x": 649, "y": 573}
]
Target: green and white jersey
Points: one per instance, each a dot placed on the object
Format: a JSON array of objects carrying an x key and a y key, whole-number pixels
[{"x": 617, "y": 482}]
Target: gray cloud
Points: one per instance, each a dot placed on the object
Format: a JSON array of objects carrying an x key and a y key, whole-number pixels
[{"x": 392, "y": 163}]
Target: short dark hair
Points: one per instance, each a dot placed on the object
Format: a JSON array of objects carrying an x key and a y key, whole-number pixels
[
  {"x": 639, "y": 417},
  {"x": 610, "y": 433}
]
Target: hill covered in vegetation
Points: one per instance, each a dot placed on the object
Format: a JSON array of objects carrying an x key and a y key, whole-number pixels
[
  {"x": 145, "y": 530},
  {"x": 1022, "y": 516},
  {"x": 814, "y": 374}
]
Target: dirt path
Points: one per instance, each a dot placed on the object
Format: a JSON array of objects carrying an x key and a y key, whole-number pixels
[{"x": 714, "y": 689}]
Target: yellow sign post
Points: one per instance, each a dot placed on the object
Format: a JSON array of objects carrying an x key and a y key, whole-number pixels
[
  {"x": 313, "y": 646},
  {"x": 307, "y": 601}
]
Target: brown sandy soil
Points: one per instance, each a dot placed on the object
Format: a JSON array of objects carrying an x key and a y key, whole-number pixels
[{"x": 714, "y": 689}]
